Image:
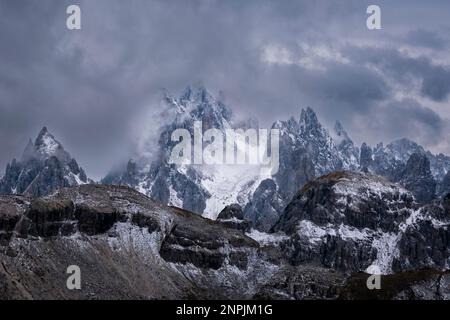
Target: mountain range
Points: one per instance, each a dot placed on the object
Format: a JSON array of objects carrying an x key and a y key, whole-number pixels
[
  {"x": 307, "y": 151},
  {"x": 129, "y": 246},
  {"x": 332, "y": 213}
]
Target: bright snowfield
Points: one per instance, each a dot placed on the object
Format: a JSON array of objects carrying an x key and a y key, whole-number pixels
[
  {"x": 230, "y": 184},
  {"x": 227, "y": 184}
]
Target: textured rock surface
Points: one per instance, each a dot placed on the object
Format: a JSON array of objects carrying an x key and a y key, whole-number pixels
[
  {"x": 44, "y": 167},
  {"x": 444, "y": 187},
  {"x": 232, "y": 216},
  {"x": 350, "y": 221},
  {"x": 265, "y": 207},
  {"x": 126, "y": 245},
  {"x": 130, "y": 247},
  {"x": 417, "y": 178}
]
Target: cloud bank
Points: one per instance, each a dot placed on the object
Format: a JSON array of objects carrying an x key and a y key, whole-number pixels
[{"x": 96, "y": 88}]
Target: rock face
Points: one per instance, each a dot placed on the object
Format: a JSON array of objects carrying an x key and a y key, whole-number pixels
[
  {"x": 350, "y": 221},
  {"x": 128, "y": 246},
  {"x": 443, "y": 188},
  {"x": 425, "y": 238},
  {"x": 417, "y": 178},
  {"x": 366, "y": 159},
  {"x": 44, "y": 167},
  {"x": 263, "y": 210},
  {"x": 390, "y": 161},
  {"x": 232, "y": 216}
]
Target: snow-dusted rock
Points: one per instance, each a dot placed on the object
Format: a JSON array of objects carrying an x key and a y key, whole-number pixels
[
  {"x": 350, "y": 221},
  {"x": 44, "y": 167},
  {"x": 129, "y": 246}
]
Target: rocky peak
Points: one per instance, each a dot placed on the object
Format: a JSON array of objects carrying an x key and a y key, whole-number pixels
[
  {"x": 350, "y": 221},
  {"x": 349, "y": 153},
  {"x": 197, "y": 104},
  {"x": 44, "y": 167},
  {"x": 418, "y": 165},
  {"x": 365, "y": 157},
  {"x": 402, "y": 149},
  {"x": 309, "y": 124},
  {"x": 417, "y": 178},
  {"x": 46, "y": 146},
  {"x": 197, "y": 94},
  {"x": 357, "y": 199},
  {"x": 318, "y": 143},
  {"x": 289, "y": 130}
]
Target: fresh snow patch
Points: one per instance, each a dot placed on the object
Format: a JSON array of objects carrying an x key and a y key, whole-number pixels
[
  {"x": 49, "y": 146},
  {"x": 174, "y": 200},
  {"x": 316, "y": 234},
  {"x": 266, "y": 238}
]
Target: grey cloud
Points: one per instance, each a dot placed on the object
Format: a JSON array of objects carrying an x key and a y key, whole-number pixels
[
  {"x": 350, "y": 84},
  {"x": 434, "y": 79},
  {"x": 94, "y": 88},
  {"x": 406, "y": 118},
  {"x": 425, "y": 38}
]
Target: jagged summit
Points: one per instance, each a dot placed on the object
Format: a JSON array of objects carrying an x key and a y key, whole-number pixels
[
  {"x": 417, "y": 177},
  {"x": 197, "y": 104},
  {"x": 197, "y": 94},
  {"x": 307, "y": 150},
  {"x": 44, "y": 147},
  {"x": 44, "y": 167},
  {"x": 309, "y": 123}
]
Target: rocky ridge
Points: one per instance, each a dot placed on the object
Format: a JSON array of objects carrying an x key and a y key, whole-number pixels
[{"x": 129, "y": 246}]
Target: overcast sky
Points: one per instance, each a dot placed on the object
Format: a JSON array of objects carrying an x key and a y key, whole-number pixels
[{"x": 93, "y": 88}]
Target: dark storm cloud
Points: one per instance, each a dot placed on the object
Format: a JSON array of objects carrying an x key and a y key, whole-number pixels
[
  {"x": 407, "y": 118},
  {"x": 94, "y": 88},
  {"x": 434, "y": 79},
  {"x": 350, "y": 84},
  {"x": 426, "y": 39}
]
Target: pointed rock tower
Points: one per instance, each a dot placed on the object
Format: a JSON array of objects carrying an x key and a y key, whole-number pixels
[{"x": 44, "y": 167}]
